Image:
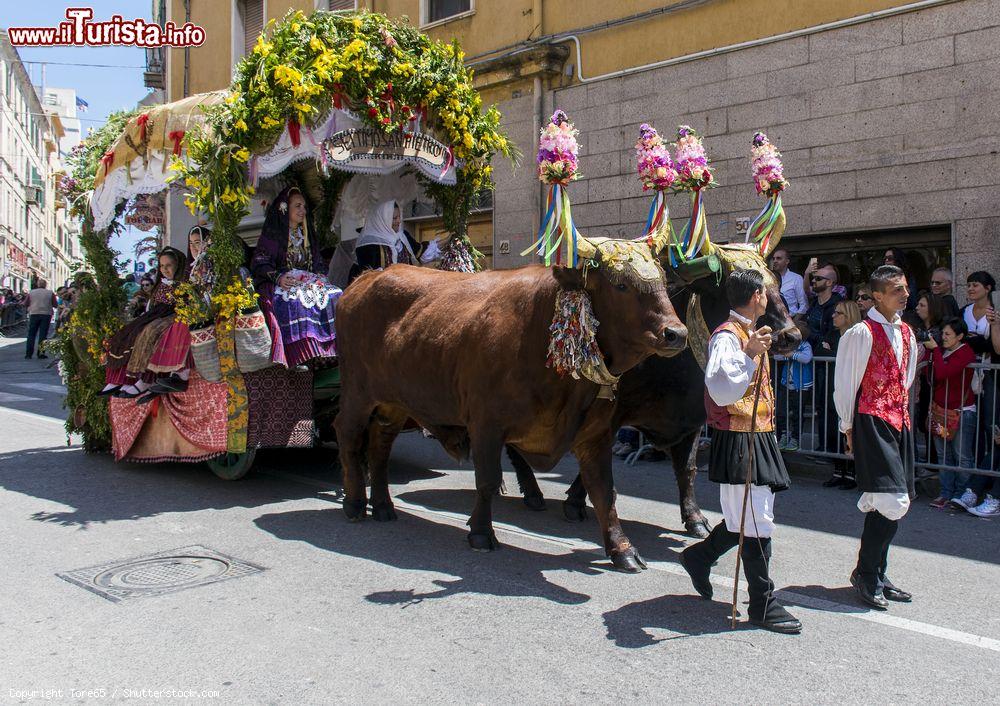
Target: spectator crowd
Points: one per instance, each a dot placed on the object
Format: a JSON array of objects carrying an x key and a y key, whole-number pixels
[{"x": 957, "y": 406}]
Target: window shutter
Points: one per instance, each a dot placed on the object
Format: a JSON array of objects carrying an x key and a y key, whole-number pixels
[
  {"x": 253, "y": 23},
  {"x": 340, "y": 5}
]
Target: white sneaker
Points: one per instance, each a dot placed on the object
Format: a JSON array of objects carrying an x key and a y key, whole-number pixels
[
  {"x": 968, "y": 500},
  {"x": 990, "y": 507},
  {"x": 783, "y": 441}
]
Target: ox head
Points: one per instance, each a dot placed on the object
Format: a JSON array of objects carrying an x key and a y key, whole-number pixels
[
  {"x": 706, "y": 276},
  {"x": 627, "y": 289}
]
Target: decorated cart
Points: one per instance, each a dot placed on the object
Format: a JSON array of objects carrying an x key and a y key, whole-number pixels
[{"x": 351, "y": 110}]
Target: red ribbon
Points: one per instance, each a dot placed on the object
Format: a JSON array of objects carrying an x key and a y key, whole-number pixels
[
  {"x": 338, "y": 96},
  {"x": 107, "y": 159},
  {"x": 448, "y": 162},
  {"x": 293, "y": 131},
  {"x": 141, "y": 122},
  {"x": 176, "y": 136}
]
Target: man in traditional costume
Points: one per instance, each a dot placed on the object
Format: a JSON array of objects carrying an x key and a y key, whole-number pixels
[
  {"x": 735, "y": 351},
  {"x": 876, "y": 364}
]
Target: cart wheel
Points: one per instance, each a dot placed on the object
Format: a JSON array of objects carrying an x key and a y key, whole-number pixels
[{"x": 232, "y": 466}]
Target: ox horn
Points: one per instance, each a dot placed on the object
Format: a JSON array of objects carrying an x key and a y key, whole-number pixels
[
  {"x": 586, "y": 250},
  {"x": 776, "y": 233},
  {"x": 699, "y": 267}
]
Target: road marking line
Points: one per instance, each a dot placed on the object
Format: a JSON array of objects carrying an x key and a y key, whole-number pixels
[
  {"x": 895, "y": 621},
  {"x": 11, "y": 397},
  {"x": 32, "y": 415},
  {"x": 41, "y": 387}
]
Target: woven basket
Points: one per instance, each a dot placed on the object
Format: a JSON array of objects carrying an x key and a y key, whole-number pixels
[
  {"x": 205, "y": 352},
  {"x": 253, "y": 342}
]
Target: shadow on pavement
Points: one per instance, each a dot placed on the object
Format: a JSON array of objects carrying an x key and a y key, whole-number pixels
[
  {"x": 845, "y": 598},
  {"x": 414, "y": 543},
  {"x": 689, "y": 615},
  {"x": 651, "y": 540},
  {"x": 99, "y": 490}
]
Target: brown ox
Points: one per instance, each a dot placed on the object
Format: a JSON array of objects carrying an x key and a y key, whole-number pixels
[{"x": 464, "y": 355}]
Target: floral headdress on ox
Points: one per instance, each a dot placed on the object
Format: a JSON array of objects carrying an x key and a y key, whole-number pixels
[
  {"x": 694, "y": 175},
  {"x": 557, "y": 167},
  {"x": 658, "y": 173},
  {"x": 769, "y": 179},
  {"x": 693, "y": 255}
]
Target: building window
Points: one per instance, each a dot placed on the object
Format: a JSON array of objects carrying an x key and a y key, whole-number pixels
[
  {"x": 251, "y": 16},
  {"x": 334, "y": 5},
  {"x": 441, "y": 10}
]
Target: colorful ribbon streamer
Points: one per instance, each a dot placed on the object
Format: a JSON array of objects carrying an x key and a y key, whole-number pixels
[
  {"x": 763, "y": 226},
  {"x": 694, "y": 237},
  {"x": 557, "y": 227}
]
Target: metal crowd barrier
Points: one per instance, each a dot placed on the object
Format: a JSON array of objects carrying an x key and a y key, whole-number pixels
[{"x": 808, "y": 416}]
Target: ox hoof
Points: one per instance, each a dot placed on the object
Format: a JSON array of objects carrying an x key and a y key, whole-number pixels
[
  {"x": 383, "y": 512},
  {"x": 483, "y": 542},
  {"x": 535, "y": 502},
  {"x": 354, "y": 509},
  {"x": 698, "y": 529},
  {"x": 628, "y": 561},
  {"x": 573, "y": 512}
]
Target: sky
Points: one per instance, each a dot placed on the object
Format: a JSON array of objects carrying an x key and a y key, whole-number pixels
[{"x": 105, "y": 89}]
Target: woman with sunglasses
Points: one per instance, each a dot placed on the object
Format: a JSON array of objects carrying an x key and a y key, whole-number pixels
[{"x": 864, "y": 300}]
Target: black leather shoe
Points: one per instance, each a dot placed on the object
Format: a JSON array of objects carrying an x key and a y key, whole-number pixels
[
  {"x": 833, "y": 481},
  {"x": 172, "y": 383},
  {"x": 109, "y": 392},
  {"x": 42, "y": 356},
  {"x": 122, "y": 394},
  {"x": 699, "y": 573},
  {"x": 875, "y": 600},
  {"x": 777, "y": 619},
  {"x": 148, "y": 397},
  {"x": 895, "y": 594}
]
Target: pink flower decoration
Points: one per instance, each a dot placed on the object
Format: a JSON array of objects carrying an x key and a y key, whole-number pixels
[{"x": 656, "y": 169}]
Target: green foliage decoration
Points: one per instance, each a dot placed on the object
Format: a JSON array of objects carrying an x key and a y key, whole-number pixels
[{"x": 386, "y": 72}]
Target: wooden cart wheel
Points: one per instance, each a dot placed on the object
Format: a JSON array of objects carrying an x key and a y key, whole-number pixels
[{"x": 232, "y": 466}]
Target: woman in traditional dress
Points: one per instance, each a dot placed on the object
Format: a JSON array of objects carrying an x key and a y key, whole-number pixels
[
  {"x": 297, "y": 300},
  {"x": 131, "y": 349},
  {"x": 171, "y": 360},
  {"x": 383, "y": 242}
]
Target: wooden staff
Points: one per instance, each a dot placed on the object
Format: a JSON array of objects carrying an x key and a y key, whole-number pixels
[{"x": 746, "y": 487}]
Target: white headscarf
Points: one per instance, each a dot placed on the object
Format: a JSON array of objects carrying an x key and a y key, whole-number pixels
[{"x": 378, "y": 231}]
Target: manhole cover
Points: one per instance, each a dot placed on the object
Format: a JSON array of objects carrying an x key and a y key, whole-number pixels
[{"x": 158, "y": 574}]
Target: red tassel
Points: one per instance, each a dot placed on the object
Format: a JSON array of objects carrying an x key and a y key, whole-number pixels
[
  {"x": 293, "y": 131},
  {"x": 141, "y": 122},
  {"x": 176, "y": 136},
  {"x": 107, "y": 159}
]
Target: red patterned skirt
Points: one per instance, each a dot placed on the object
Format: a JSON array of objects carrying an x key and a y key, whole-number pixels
[{"x": 172, "y": 350}]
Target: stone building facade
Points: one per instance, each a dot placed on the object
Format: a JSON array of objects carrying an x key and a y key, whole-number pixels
[{"x": 890, "y": 130}]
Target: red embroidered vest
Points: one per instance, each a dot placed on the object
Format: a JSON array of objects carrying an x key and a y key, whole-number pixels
[
  {"x": 883, "y": 391},
  {"x": 738, "y": 415}
]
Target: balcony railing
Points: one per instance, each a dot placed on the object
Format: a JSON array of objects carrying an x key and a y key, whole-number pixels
[{"x": 153, "y": 76}]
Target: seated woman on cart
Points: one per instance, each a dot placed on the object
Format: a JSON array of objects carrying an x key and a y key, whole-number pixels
[
  {"x": 298, "y": 302},
  {"x": 150, "y": 354},
  {"x": 383, "y": 242}
]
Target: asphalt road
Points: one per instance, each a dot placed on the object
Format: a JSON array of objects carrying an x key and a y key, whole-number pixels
[{"x": 405, "y": 612}]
